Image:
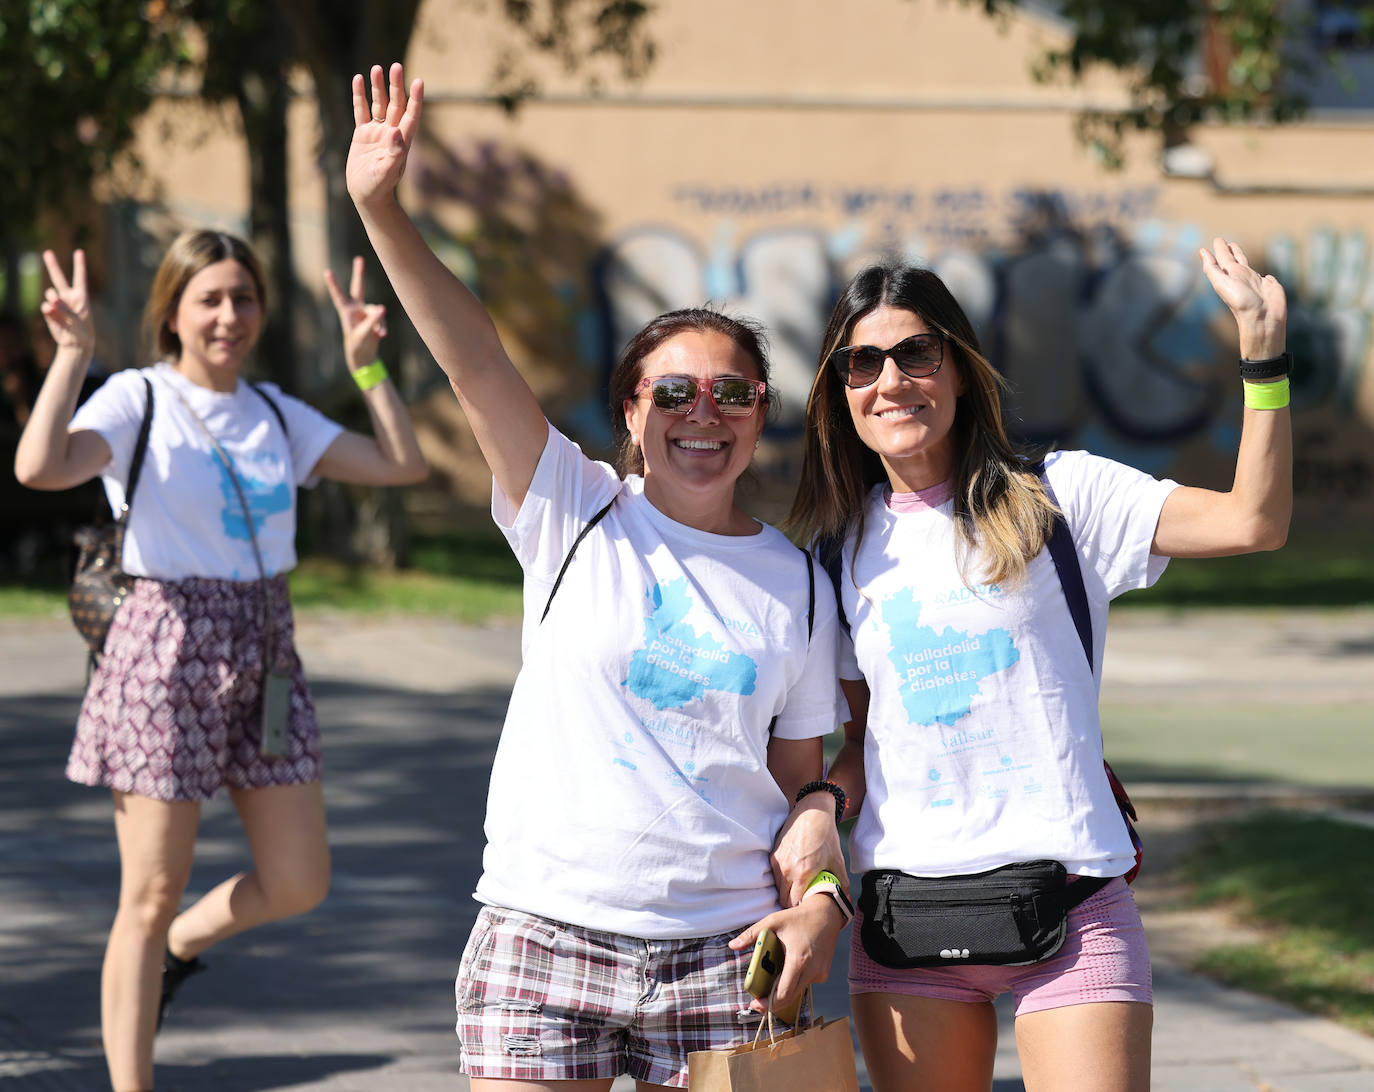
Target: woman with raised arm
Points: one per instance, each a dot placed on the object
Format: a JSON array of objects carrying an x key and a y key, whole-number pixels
[
  {"x": 175, "y": 710},
  {"x": 672, "y": 698},
  {"x": 972, "y": 672}
]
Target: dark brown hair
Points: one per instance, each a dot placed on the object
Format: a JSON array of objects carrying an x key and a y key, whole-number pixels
[
  {"x": 190, "y": 252},
  {"x": 744, "y": 332},
  {"x": 1000, "y": 505}
]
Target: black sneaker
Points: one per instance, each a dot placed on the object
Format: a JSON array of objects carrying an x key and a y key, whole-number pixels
[{"x": 174, "y": 972}]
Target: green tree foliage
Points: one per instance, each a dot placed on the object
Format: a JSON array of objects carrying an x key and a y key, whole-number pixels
[
  {"x": 79, "y": 73},
  {"x": 1183, "y": 61}
]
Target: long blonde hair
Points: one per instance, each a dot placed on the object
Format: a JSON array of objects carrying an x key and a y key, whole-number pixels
[{"x": 1003, "y": 513}]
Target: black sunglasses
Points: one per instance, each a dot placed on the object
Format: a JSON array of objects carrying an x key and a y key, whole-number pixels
[{"x": 918, "y": 356}]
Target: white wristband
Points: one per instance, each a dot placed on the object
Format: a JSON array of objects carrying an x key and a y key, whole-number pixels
[{"x": 837, "y": 896}]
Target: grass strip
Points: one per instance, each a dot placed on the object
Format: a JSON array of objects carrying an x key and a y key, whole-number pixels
[{"x": 1307, "y": 884}]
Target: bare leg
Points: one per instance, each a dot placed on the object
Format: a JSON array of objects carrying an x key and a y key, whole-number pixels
[
  {"x": 1102, "y": 1047},
  {"x": 924, "y": 1043},
  {"x": 286, "y": 832},
  {"x": 156, "y": 842}
]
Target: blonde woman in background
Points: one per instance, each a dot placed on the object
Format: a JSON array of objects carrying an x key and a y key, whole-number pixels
[{"x": 173, "y": 712}]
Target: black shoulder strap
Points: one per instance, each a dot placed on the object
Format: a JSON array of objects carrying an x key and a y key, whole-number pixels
[
  {"x": 829, "y": 550},
  {"x": 276, "y": 410},
  {"x": 572, "y": 550},
  {"x": 810, "y": 593},
  {"x": 1065, "y": 557},
  {"x": 140, "y": 447}
]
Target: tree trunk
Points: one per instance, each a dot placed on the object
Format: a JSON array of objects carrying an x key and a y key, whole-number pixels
[
  {"x": 337, "y": 39},
  {"x": 263, "y": 97}
]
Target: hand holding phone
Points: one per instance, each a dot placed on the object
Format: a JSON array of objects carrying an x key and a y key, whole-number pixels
[{"x": 764, "y": 967}]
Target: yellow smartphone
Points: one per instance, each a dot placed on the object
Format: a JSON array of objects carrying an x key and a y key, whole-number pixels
[{"x": 764, "y": 967}]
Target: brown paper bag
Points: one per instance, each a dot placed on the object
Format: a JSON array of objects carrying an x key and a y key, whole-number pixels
[{"x": 818, "y": 1058}]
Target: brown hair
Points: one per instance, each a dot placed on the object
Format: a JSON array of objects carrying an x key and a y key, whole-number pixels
[
  {"x": 190, "y": 252},
  {"x": 744, "y": 332},
  {"x": 1001, "y": 507}
]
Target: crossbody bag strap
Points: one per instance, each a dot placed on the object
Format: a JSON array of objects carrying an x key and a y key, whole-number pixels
[
  {"x": 271, "y": 404},
  {"x": 572, "y": 550},
  {"x": 145, "y": 429},
  {"x": 830, "y": 550},
  {"x": 140, "y": 448},
  {"x": 1065, "y": 557},
  {"x": 252, "y": 534}
]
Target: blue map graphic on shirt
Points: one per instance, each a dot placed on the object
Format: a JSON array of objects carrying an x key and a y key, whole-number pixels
[
  {"x": 941, "y": 671},
  {"x": 677, "y": 664},
  {"x": 264, "y": 498}
]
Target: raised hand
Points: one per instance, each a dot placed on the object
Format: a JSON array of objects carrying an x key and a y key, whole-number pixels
[
  {"x": 1257, "y": 302},
  {"x": 382, "y": 134},
  {"x": 65, "y": 307},
  {"x": 363, "y": 323}
]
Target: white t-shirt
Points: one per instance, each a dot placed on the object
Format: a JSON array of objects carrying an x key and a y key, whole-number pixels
[
  {"x": 186, "y": 519},
  {"x": 630, "y": 791},
  {"x": 983, "y": 744}
]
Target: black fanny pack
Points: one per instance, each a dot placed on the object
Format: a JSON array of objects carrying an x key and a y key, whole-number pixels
[{"x": 1007, "y": 916}]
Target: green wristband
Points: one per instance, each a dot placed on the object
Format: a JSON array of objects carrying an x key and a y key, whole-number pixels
[
  {"x": 1266, "y": 396},
  {"x": 823, "y": 877},
  {"x": 369, "y": 375}
]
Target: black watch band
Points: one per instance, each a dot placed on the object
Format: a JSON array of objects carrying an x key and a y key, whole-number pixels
[{"x": 1272, "y": 368}]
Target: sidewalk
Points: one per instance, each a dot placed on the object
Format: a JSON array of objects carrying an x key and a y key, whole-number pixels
[{"x": 358, "y": 995}]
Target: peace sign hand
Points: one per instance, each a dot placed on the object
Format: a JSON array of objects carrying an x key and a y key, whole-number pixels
[
  {"x": 363, "y": 323},
  {"x": 65, "y": 307},
  {"x": 382, "y": 135}
]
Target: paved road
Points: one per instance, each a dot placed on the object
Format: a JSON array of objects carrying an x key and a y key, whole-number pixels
[{"x": 357, "y": 996}]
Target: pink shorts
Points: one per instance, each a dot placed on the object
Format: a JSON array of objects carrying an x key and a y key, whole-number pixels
[
  {"x": 174, "y": 710},
  {"x": 1104, "y": 958}
]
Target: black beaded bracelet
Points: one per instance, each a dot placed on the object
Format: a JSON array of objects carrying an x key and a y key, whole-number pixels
[
  {"x": 1272, "y": 368},
  {"x": 841, "y": 800}
]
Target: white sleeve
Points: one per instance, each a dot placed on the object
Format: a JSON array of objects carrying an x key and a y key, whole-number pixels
[
  {"x": 566, "y": 491},
  {"x": 114, "y": 411},
  {"x": 814, "y": 702},
  {"x": 1112, "y": 511},
  {"x": 309, "y": 431}
]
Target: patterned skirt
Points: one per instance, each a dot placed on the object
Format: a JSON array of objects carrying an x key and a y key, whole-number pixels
[{"x": 174, "y": 709}]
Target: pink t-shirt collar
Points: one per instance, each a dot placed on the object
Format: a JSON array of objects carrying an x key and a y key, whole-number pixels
[{"x": 920, "y": 500}]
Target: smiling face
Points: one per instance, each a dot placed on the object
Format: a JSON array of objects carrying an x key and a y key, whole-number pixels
[
  {"x": 908, "y": 422},
  {"x": 217, "y": 320},
  {"x": 692, "y": 460}
]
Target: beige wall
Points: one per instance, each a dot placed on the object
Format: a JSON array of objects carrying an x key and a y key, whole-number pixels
[{"x": 776, "y": 145}]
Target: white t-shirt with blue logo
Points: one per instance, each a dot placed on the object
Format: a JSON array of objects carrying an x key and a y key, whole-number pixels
[
  {"x": 983, "y": 744},
  {"x": 186, "y": 519},
  {"x": 630, "y": 791}
]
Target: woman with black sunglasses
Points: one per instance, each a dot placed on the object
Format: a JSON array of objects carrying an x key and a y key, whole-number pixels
[
  {"x": 972, "y": 678},
  {"x": 672, "y": 698}
]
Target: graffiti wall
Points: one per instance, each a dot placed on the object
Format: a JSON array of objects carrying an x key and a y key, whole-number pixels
[{"x": 1092, "y": 304}]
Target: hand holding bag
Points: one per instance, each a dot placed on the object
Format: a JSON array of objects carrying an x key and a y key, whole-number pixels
[
  {"x": 99, "y": 585},
  {"x": 816, "y": 1058}
]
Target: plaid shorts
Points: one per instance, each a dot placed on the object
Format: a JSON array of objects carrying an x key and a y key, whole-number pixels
[{"x": 539, "y": 1000}]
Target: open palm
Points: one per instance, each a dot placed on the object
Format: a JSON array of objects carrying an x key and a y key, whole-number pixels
[
  {"x": 383, "y": 133},
  {"x": 1250, "y": 295}
]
